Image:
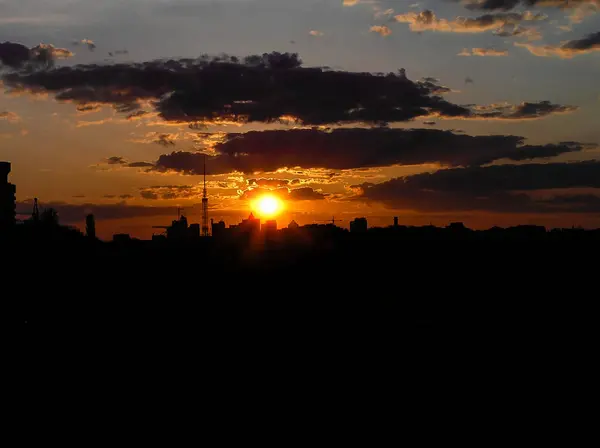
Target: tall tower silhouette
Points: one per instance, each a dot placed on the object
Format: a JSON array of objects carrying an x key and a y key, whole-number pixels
[{"x": 204, "y": 204}]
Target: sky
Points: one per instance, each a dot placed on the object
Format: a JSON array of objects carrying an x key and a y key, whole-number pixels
[{"x": 480, "y": 111}]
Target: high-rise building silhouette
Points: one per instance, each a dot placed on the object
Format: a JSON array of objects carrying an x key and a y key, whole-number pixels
[
  {"x": 218, "y": 228},
  {"x": 250, "y": 225},
  {"x": 90, "y": 227},
  {"x": 359, "y": 225},
  {"x": 8, "y": 199},
  {"x": 205, "y": 231},
  {"x": 270, "y": 227},
  {"x": 395, "y": 221}
]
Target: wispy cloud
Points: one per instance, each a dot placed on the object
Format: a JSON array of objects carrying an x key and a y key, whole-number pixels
[
  {"x": 381, "y": 29},
  {"x": 483, "y": 52},
  {"x": 428, "y": 21},
  {"x": 568, "y": 49}
]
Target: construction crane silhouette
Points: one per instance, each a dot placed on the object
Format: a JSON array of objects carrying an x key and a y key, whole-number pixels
[
  {"x": 332, "y": 220},
  {"x": 165, "y": 228}
]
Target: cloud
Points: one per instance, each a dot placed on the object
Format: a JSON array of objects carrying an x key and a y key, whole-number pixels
[
  {"x": 149, "y": 195},
  {"x": 87, "y": 42},
  {"x": 136, "y": 115},
  {"x": 168, "y": 192},
  {"x": 116, "y": 160},
  {"x": 90, "y": 44},
  {"x": 13, "y": 55},
  {"x": 483, "y": 52},
  {"x": 268, "y": 182},
  {"x": 506, "y": 5},
  {"x": 381, "y": 29},
  {"x": 305, "y": 194},
  {"x": 316, "y": 33},
  {"x": 530, "y": 33},
  {"x": 140, "y": 165},
  {"x": 504, "y": 188},
  {"x": 11, "y": 117},
  {"x": 166, "y": 139},
  {"x": 583, "y": 11},
  {"x": 268, "y": 88},
  {"x": 48, "y": 53},
  {"x": 427, "y": 21},
  {"x": 297, "y": 194},
  {"x": 42, "y": 56},
  {"x": 88, "y": 108},
  {"x": 350, "y": 2},
  {"x": 258, "y": 89},
  {"x": 567, "y": 50},
  {"x": 524, "y": 111},
  {"x": 343, "y": 149}
]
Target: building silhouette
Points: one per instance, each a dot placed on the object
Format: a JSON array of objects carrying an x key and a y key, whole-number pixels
[
  {"x": 90, "y": 227},
  {"x": 395, "y": 221},
  {"x": 218, "y": 229},
  {"x": 359, "y": 225},
  {"x": 121, "y": 238},
  {"x": 179, "y": 229},
  {"x": 270, "y": 227},
  {"x": 8, "y": 199},
  {"x": 194, "y": 231},
  {"x": 250, "y": 225}
]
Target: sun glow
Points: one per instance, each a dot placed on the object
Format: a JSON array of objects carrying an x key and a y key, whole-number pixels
[{"x": 268, "y": 205}]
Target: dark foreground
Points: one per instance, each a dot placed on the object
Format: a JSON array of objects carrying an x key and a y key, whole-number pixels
[{"x": 363, "y": 288}]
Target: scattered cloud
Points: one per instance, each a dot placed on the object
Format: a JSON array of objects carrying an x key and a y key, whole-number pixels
[
  {"x": 316, "y": 33},
  {"x": 483, "y": 52},
  {"x": 383, "y": 14},
  {"x": 18, "y": 56},
  {"x": 140, "y": 165},
  {"x": 427, "y": 21},
  {"x": 166, "y": 139},
  {"x": 11, "y": 117},
  {"x": 567, "y": 50},
  {"x": 168, "y": 192},
  {"x": 381, "y": 29},
  {"x": 524, "y": 111},
  {"x": 87, "y": 42},
  {"x": 116, "y": 160},
  {"x": 506, "y": 5}
]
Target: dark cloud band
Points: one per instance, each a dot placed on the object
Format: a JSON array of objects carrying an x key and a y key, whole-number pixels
[
  {"x": 495, "y": 188},
  {"x": 356, "y": 148},
  {"x": 269, "y": 88}
]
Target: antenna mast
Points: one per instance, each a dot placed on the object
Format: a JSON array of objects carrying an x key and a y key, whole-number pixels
[
  {"x": 204, "y": 204},
  {"x": 35, "y": 215}
]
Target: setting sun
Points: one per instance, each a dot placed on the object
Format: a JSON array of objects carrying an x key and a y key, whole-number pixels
[{"x": 268, "y": 205}]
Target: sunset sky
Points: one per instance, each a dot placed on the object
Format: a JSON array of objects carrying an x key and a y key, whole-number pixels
[{"x": 481, "y": 111}]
